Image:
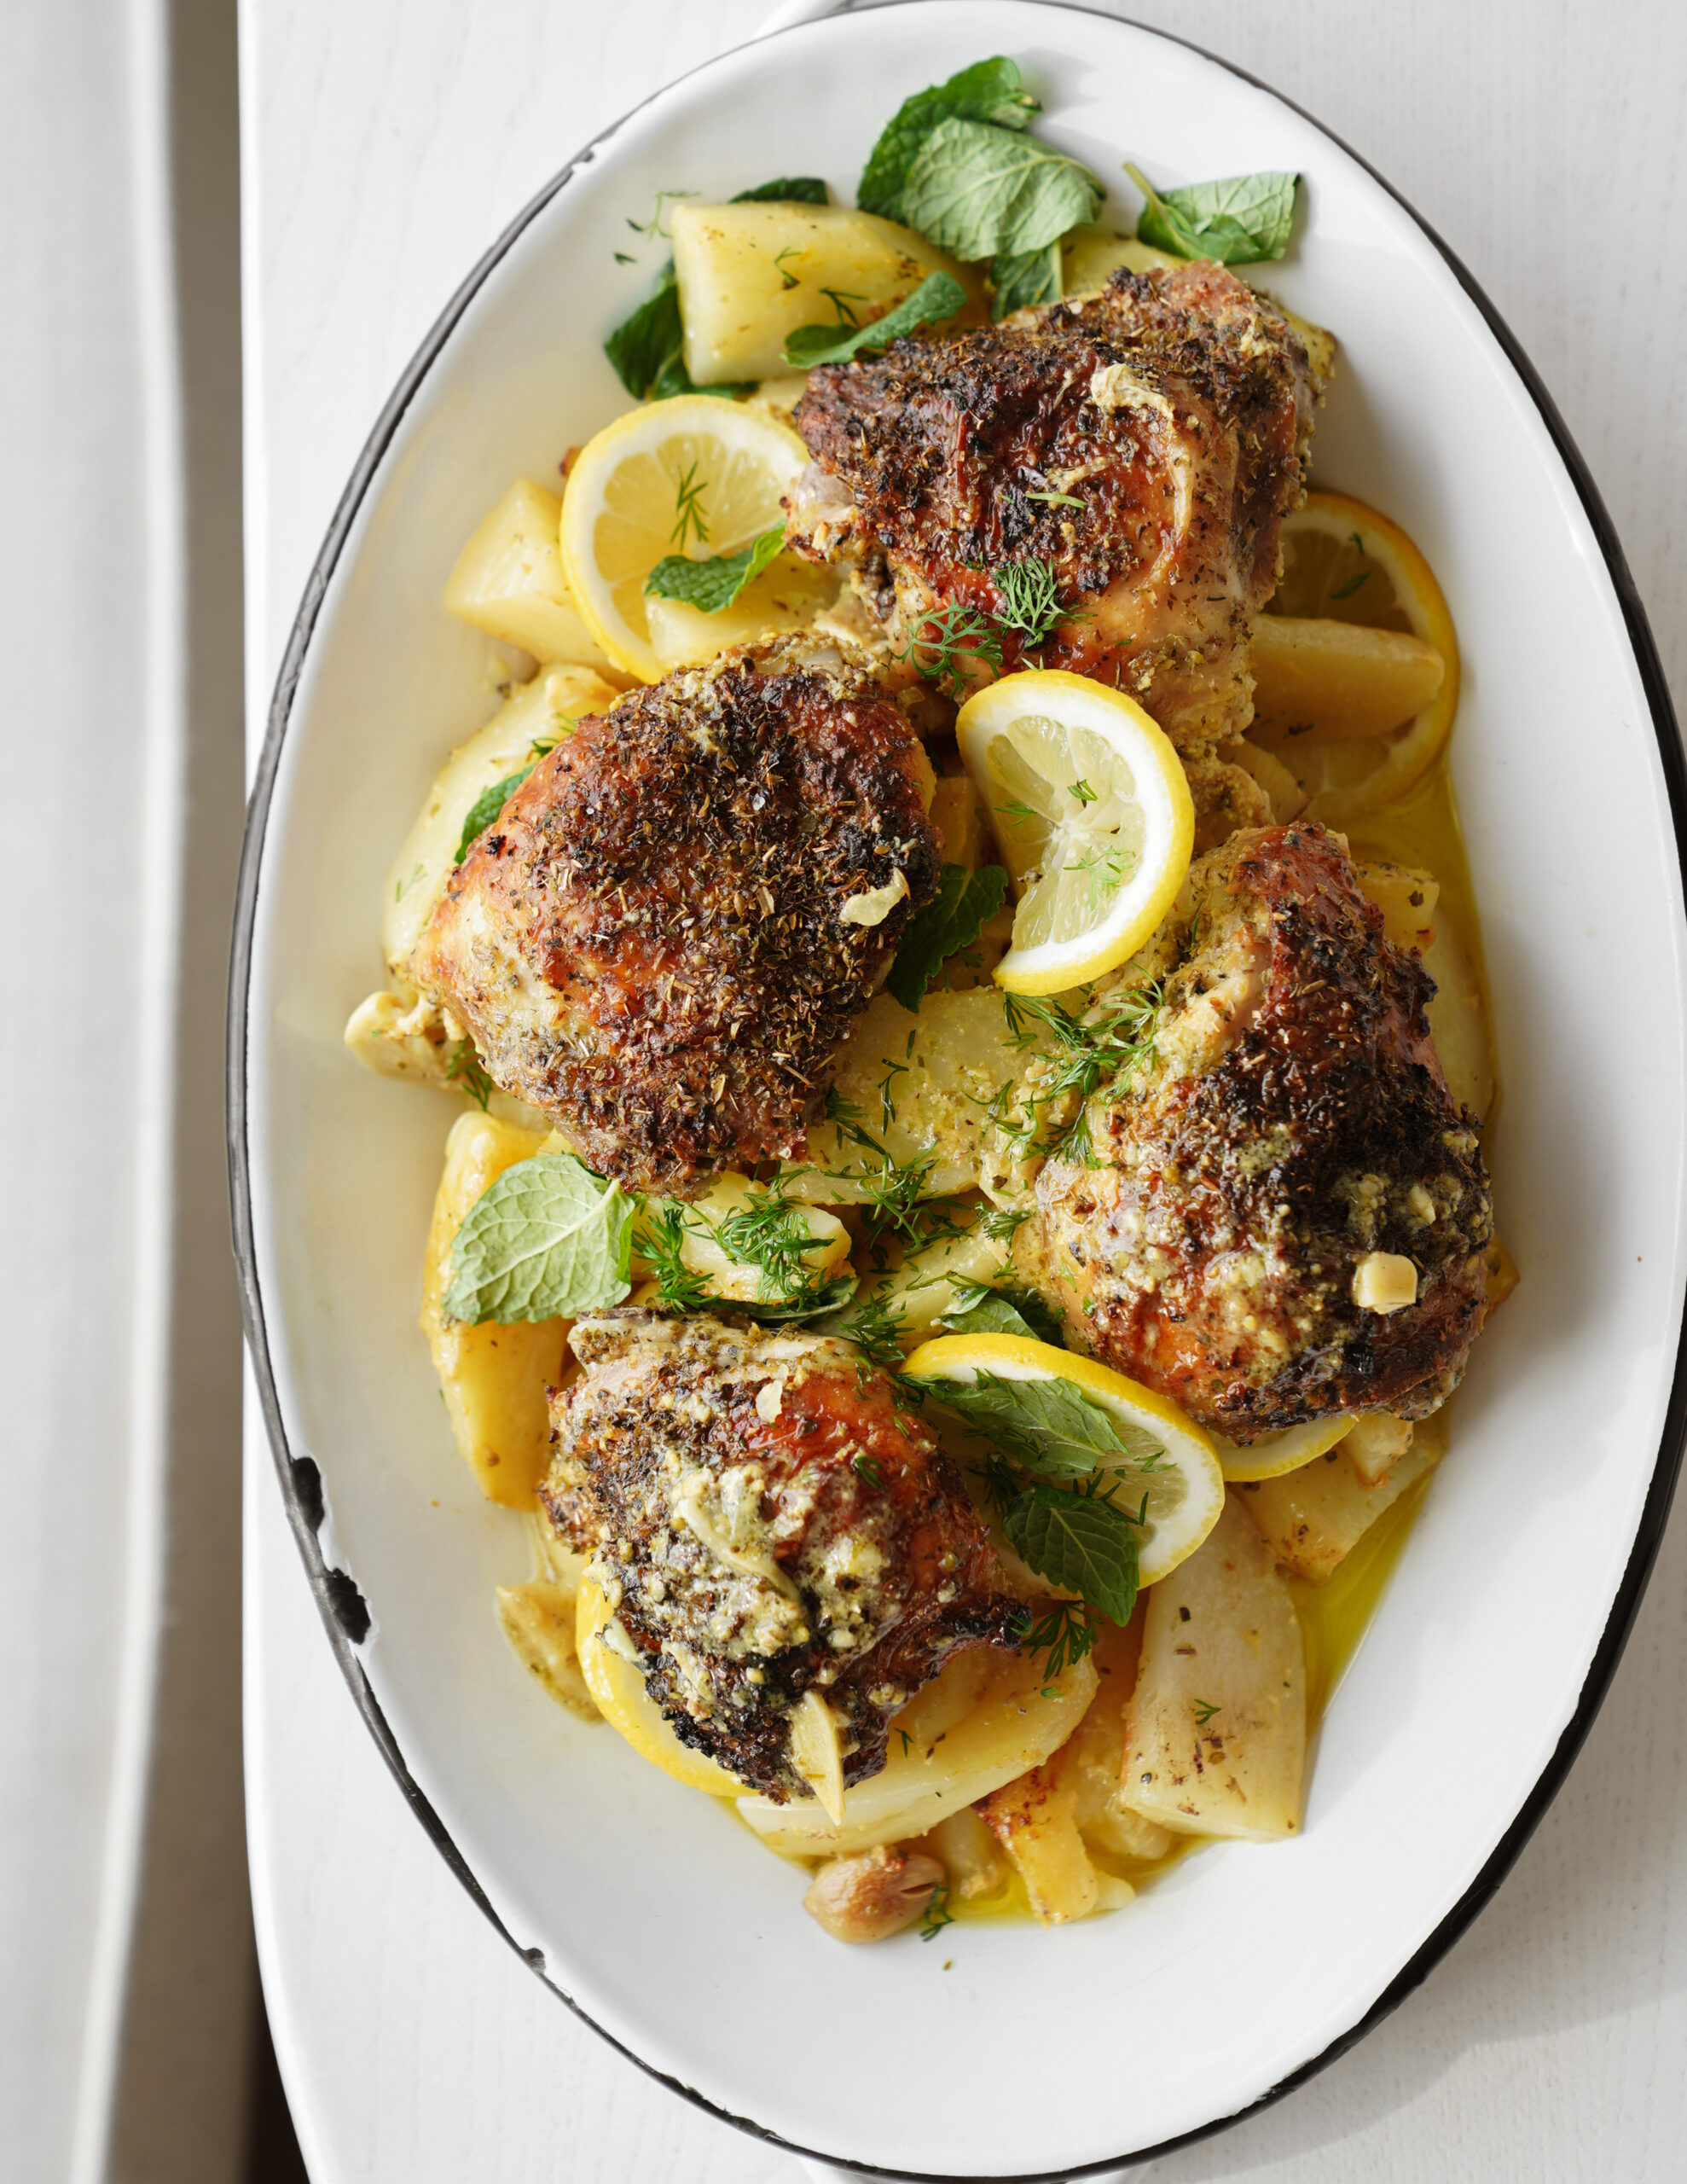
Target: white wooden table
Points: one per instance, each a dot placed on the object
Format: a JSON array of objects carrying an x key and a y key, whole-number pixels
[{"x": 384, "y": 144}]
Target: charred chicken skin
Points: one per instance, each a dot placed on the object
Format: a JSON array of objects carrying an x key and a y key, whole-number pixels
[
  {"x": 768, "y": 1523},
  {"x": 1144, "y": 443},
  {"x": 675, "y": 921},
  {"x": 1284, "y": 1149}
]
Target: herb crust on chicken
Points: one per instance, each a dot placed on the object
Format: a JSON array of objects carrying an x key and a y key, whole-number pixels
[{"x": 673, "y": 924}]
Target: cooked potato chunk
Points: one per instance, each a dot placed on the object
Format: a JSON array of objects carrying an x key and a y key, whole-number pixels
[
  {"x": 969, "y": 1854},
  {"x": 913, "y": 1296},
  {"x": 494, "y": 1377},
  {"x": 1312, "y": 1518},
  {"x": 1216, "y": 1732},
  {"x": 1320, "y": 682},
  {"x": 538, "y": 1620},
  {"x": 1458, "y": 1022},
  {"x": 1376, "y": 1444},
  {"x": 509, "y": 581},
  {"x": 750, "y": 275},
  {"x": 739, "y": 1279},
  {"x": 1088, "y": 255},
  {"x": 1407, "y": 900},
  {"x": 959, "y": 817},
  {"x": 535, "y": 716},
  {"x": 987, "y": 1717},
  {"x": 1035, "y": 1821},
  {"x": 1092, "y": 1759},
  {"x": 919, "y": 1087},
  {"x": 788, "y": 596},
  {"x": 1288, "y": 799}
]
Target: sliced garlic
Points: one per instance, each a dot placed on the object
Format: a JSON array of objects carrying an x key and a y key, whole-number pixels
[
  {"x": 817, "y": 1755},
  {"x": 1383, "y": 1282},
  {"x": 877, "y": 903}
]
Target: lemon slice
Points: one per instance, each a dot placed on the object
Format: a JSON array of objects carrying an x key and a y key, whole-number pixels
[
  {"x": 1343, "y": 562},
  {"x": 1091, "y": 811},
  {"x": 1172, "y": 1461},
  {"x": 694, "y": 475},
  {"x": 1274, "y": 1453},
  {"x": 618, "y": 1688}
]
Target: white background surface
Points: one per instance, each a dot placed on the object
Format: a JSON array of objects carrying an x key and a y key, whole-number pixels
[{"x": 385, "y": 145}]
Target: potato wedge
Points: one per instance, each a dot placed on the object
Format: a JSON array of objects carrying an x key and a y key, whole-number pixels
[
  {"x": 1035, "y": 1821},
  {"x": 493, "y": 1378},
  {"x": 969, "y": 1854},
  {"x": 1288, "y": 799},
  {"x": 788, "y": 596},
  {"x": 911, "y": 1297},
  {"x": 1313, "y": 1518},
  {"x": 509, "y": 582},
  {"x": 1088, "y": 255},
  {"x": 1215, "y": 1732},
  {"x": 1375, "y": 1444},
  {"x": 959, "y": 818},
  {"x": 538, "y": 1620},
  {"x": 1406, "y": 898},
  {"x": 918, "y": 1087},
  {"x": 737, "y": 1279},
  {"x": 535, "y": 716},
  {"x": 987, "y": 1717},
  {"x": 1322, "y": 682},
  {"x": 1458, "y": 1023},
  {"x": 750, "y": 275}
]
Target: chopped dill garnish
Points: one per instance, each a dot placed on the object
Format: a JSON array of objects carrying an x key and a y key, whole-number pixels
[
  {"x": 1204, "y": 1711},
  {"x": 1065, "y": 1632},
  {"x": 659, "y": 1239},
  {"x": 1000, "y": 1223},
  {"x": 1105, "y": 1044},
  {"x": 1082, "y": 791},
  {"x": 944, "y": 635},
  {"x": 465, "y": 1068},
  {"x": 1030, "y": 599},
  {"x": 769, "y": 1232},
  {"x": 937, "y": 1914},
  {"x": 865, "y": 1467}
]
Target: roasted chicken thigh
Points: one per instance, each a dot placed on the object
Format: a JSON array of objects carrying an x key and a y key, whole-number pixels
[
  {"x": 773, "y": 1523},
  {"x": 1143, "y": 445},
  {"x": 673, "y": 924},
  {"x": 1288, "y": 1211}
]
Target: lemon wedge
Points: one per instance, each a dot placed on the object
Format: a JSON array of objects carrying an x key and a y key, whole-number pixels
[
  {"x": 1274, "y": 1453},
  {"x": 1172, "y": 1463},
  {"x": 1092, "y": 814},
  {"x": 695, "y": 476},
  {"x": 618, "y": 1688},
  {"x": 1344, "y": 562}
]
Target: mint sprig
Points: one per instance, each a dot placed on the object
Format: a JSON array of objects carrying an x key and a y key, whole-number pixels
[
  {"x": 712, "y": 585},
  {"x": 966, "y": 902},
  {"x": 487, "y": 805},
  {"x": 1030, "y": 276},
  {"x": 938, "y": 297},
  {"x": 1079, "y": 1541},
  {"x": 548, "y": 1240},
  {"x": 991, "y": 91},
  {"x": 984, "y": 192},
  {"x": 1241, "y": 222},
  {"x": 1049, "y": 1427}
]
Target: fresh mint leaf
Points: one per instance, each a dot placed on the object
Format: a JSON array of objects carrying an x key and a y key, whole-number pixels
[
  {"x": 983, "y": 192},
  {"x": 980, "y": 1311},
  {"x": 938, "y": 297},
  {"x": 712, "y": 585},
  {"x": 964, "y": 905},
  {"x": 1032, "y": 277},
  {"x": 788, "y": 189},
  {"x": 1080, "y": 1542},
  {"x": 486, "y": 807},
  {"x": 1239, "y": 222},
  {"x": 548, "y": 1240},
  {"x": 1051, "y": 1426},
  {"x": 990, "y": 90}
]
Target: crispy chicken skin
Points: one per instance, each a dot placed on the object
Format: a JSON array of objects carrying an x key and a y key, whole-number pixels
[
  {"x": 677, "y": 919},
  {"x": 1290, "y": 1120},
  {"x": 774, "y": 1524},
  {"x": 1174, "y": 409}
]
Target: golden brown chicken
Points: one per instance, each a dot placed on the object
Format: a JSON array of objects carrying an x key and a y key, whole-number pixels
[
  {"x": 1289, "y": 1210},
  {"x": 1125, "y": 460},
  {"x": 673, "y": 925},
  {"x": 774, "y": 1523}
]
